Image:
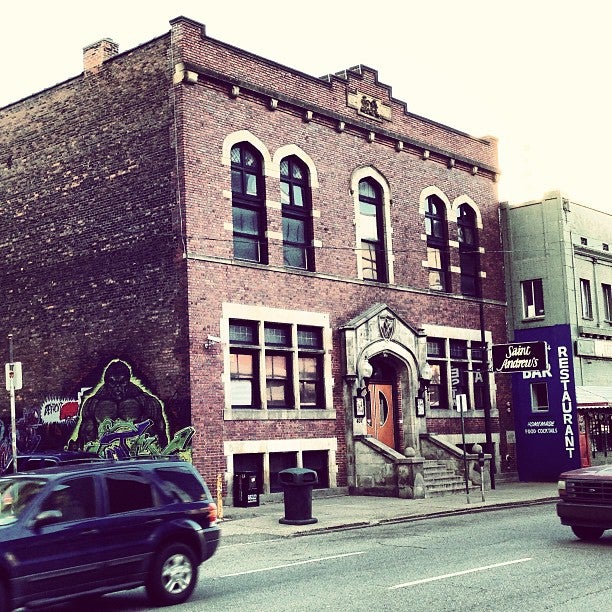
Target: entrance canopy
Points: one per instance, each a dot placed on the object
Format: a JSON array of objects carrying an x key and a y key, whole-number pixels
[{"x": 593, "y": 397}]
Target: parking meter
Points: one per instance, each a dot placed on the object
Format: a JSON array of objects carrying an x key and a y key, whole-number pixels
[{"x": 477, "y": 449}]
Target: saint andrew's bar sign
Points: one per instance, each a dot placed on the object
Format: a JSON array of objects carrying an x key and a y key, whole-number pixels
[{"x": 520, "y": 357}]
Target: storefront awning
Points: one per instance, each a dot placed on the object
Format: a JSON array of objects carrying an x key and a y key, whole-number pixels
[{"x": 593, "y": 397}]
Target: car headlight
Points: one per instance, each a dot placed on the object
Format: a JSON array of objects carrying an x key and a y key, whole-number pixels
[{"x": 561, "y": 488}]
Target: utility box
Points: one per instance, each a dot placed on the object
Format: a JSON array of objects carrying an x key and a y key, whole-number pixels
[
  {"x": 297, "y": 486},
  {"x": 246, "y": 491}
]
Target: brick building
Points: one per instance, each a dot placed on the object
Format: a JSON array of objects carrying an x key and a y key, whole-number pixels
[{"x": 203, "y": 249}]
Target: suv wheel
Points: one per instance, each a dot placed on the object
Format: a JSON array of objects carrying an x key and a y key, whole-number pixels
[
  {"x": 173, "y": 575},
  {"x": 587, "y": 533}
]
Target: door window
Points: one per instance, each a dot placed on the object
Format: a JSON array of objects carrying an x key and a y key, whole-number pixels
[
  {"x": 75, "y": 499},
  {"x": 127, "y": 492},
  {"x": 383, "y": 411}
]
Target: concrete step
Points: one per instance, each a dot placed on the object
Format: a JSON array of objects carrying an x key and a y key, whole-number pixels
[
  {"x": 439, "y": 480},
  {"x": 444, "y": 480},
  {"x": 435, "y": 492}
]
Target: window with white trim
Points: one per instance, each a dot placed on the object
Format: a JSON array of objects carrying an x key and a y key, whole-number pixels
[
  {"x": 533, "y": 298},
  {"x": 436, "y": 357},
  {"x": 457, "y": 368},
  {"x": 371, "y": 230},
  {"x": 607, "y": 301},
  {"x": 438, "y": 260},
  {"x": 586, "y": 299},
  {"x": 244, "y": 364},
  {"x": 539, "y": 397},
  {"x": 296, "y": 213},
  {"x": 248, "y": 204},
  {"x": 276, "y": 366},
  {"x": 469, "y": 258}
]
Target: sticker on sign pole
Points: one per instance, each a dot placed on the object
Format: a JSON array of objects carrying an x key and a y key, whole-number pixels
[{"x": 461, "y": 402}]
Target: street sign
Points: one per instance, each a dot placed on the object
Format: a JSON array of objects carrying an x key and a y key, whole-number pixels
[
  {"x": 12, "y": 372},
  {"x": 519, "y": 357},
  {"x": 461, "y": 402}
]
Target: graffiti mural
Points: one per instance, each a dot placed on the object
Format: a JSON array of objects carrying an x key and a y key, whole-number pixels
[
  {"x": 119, "y": 396},
  {"x": 27, "y": 438},
  {"x": 121, "y": 418},
  {"x": 56, "y": 410},
  {"x": 117, "y": 418}
]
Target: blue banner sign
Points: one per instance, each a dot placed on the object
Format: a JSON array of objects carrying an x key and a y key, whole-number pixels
[{"x": 544, "y": 405}]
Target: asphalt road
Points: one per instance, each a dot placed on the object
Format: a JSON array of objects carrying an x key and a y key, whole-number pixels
[{"x": 513, "y": 559}]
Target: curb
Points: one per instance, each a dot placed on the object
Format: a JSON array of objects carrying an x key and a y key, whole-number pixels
[{"x": 422, "y": 516}]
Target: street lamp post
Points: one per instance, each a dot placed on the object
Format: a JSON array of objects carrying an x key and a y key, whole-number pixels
[{"x": 487, "y": 395}]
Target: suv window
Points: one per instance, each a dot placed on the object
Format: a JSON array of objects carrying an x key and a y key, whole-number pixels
[
  {"x": 74, "y": 498},
  {"x": 181, "y": 485},
  {"x": 129, "y": 491},
  {"x": 34, "y": 463}
]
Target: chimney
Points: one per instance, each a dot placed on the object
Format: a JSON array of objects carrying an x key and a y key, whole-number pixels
[{"x": 96, "y": 53}]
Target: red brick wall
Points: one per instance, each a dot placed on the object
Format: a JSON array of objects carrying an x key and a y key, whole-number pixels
[
  {"x": 89, "y": 233},
  {"x": 210, "y": 115},
  {"x": 94, "y": 220}
]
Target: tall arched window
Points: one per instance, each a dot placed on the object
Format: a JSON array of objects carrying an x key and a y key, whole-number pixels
[
  {"x": 371, "y": 231},
  {"x": 469, "y": 260},
  {"x": 248, "y": 204},
  {"x": 297, "y": 215},
  {"x": 437, "y": 244}
]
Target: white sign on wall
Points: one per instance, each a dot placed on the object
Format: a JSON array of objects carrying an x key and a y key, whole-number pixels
[{"x": 12, "y": 372}]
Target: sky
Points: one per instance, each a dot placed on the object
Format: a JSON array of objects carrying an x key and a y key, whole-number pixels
[{"x": 533, "y": 73}]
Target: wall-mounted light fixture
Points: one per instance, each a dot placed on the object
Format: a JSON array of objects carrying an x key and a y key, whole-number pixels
[
  {"x": 364, "y": 372},
  {"x": 426, "y": 373},
  {"x": 423, "y": 397}
]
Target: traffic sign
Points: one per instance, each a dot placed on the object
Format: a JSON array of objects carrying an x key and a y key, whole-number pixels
[{"x": 14, "y": 379}]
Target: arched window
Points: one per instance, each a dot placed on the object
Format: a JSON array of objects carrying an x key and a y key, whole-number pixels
[
  {"x": 248, "y": 204},
  {"x": 371, "y": 231},
  {"x": 469, "y": 260},
  {"x": 297, "y": 215},
  {"x": 437, "y": 244}
]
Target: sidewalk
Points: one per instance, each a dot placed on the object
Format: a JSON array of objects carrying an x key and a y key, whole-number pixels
[{"x": 349, "y": 512}]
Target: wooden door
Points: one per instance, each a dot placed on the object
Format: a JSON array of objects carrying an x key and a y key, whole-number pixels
[{"x": 380, "y": 416}]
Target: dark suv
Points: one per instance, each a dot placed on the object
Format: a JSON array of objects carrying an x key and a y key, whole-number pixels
[
  {"x": 45, "y": 459},
  {"x": 96, "y": 528},
  {"x": 585, "y": 501}
]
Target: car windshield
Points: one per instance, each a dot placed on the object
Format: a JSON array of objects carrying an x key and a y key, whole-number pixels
[{"x": 15, "y": 496}]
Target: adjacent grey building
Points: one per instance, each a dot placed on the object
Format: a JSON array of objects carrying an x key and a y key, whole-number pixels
[{"x": 558, "y": 267}]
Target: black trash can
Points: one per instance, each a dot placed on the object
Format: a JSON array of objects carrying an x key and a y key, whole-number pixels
[
  {"x": 297, "y": 486},
  {"x": 246, "y": 492}
]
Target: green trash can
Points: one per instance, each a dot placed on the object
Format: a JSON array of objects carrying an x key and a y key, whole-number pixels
[{"x": 297, "y": 486}]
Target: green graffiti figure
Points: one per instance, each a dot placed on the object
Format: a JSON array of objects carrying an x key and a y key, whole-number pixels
[
  {"x": 124, "y": 439},
  {"x": 119, "y": 397}
]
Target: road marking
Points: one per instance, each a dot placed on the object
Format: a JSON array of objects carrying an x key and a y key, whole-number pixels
[
  {"x": 275, "y": 567},
  {"x": 470, "y": 571}
]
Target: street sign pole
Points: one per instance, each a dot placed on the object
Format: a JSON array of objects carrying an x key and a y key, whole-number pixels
[
  {"x": 487, "y": 396},
  {"x": 11, "y": 385},
  {"x": 461, "y": 404}
]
